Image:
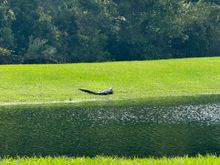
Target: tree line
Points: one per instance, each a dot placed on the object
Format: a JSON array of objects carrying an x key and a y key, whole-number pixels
[{"x": 63, "y": 31}]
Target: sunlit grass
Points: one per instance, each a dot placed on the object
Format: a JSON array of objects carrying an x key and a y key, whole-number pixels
[
  {"x": 128, "y": 79},
  {"x": 200, "y": 160}
]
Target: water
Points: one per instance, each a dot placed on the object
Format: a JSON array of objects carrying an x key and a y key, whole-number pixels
[
  {"x": 208, "y": 114},
  {"x": 127, "y": 130}
]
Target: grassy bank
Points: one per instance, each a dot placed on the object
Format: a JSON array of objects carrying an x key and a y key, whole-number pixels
[
  {"x": 208, "y": 160},
  {"x": 24, "y": 83}
]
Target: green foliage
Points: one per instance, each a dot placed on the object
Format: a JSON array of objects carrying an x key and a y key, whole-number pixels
[
  {"x": 39, "y": 51},
  {"x": 109, "y": 30},
  {"x": 5, "y": 55},
  {"x": 7, "y": 40}
]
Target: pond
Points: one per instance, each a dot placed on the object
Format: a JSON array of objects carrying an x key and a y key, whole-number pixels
[{"x": 114, "y": 130}]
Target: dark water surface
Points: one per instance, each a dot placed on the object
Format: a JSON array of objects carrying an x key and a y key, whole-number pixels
[{"x": 122, "y": 130}]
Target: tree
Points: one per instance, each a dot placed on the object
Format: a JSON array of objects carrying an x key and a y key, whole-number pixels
[
  {"x": 96, "y": 22},
  {"x": 54, "y": 31},
  {"x": 7, "y": 43}
]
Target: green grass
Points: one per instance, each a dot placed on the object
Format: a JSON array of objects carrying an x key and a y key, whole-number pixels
[
  {"x": 182, "y": 77},
  {"x": 207, "y": 160}
]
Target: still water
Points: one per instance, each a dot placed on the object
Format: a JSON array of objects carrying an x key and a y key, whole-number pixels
[{"x": 128, "y": 130}]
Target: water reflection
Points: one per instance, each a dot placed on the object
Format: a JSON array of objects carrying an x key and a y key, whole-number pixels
[{"x": 128, "y": 130}]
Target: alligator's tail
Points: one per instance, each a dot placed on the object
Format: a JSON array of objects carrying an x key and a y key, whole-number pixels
[{"x": 88, "y": 91}]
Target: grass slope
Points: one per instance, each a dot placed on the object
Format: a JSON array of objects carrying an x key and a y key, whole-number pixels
[
  {"x": 23, "y": 83},
  {"x": 208, "y": 160}
]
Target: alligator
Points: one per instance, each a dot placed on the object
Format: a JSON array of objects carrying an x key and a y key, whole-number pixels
[{"x": 104, "y": 92}]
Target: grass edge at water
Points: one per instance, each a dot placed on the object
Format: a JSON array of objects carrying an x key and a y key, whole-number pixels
[{"x": 151, "y": 101}]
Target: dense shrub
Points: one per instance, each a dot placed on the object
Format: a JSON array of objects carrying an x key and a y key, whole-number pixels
[{"x": 46, "y": 31}]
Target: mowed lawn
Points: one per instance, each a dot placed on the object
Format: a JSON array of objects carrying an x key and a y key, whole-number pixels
[
  {"x": 207, "y": 160},
  {"x": 144, "y": 79}
]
